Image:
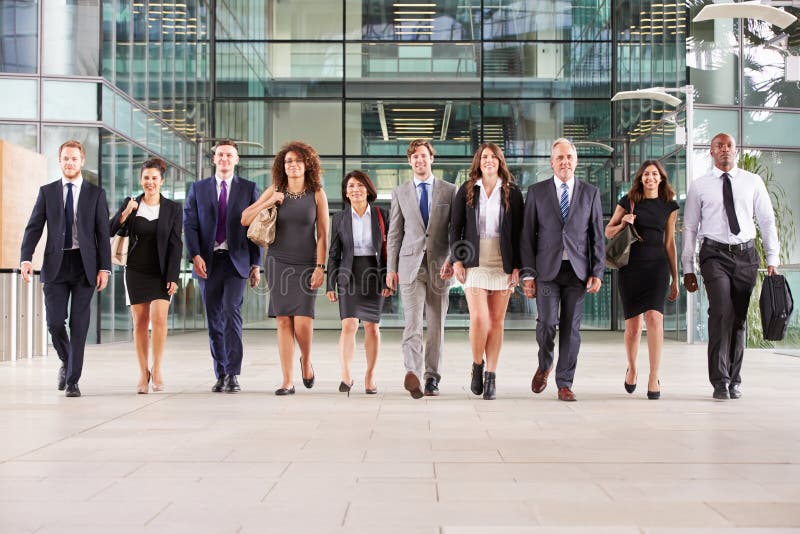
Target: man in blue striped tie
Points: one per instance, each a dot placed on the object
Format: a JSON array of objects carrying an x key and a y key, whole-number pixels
[{"x": 563, "y": 258}]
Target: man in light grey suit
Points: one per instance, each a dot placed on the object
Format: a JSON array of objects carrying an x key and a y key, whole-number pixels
[
  {"x": 417, "y": 250},
  {"x": 563, "y": 257}
]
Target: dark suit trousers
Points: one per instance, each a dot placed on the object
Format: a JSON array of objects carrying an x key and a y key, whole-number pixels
[
  {"x": 69, "y": 289},
  {"x": 223, "y": 293},
  {"x": 729, "y": 278},
  {"x": 566, "y": 292}
]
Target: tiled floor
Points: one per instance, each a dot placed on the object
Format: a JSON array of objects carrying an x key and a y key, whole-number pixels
[{"x": 189, "y": 461}]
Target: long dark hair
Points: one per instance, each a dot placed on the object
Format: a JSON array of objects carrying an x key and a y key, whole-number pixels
[
  {"x": 665, "y": 191},
  {"x": 506, "y": 178},
  {"x": 362, "y": 177}
]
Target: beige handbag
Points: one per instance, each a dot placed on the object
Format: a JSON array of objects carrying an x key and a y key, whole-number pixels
[
  {"x": 262, "y": 230},
  {"x": 119, "y": 249}
]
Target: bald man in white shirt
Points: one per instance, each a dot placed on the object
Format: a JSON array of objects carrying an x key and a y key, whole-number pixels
[{"x": 720, "y": 211}]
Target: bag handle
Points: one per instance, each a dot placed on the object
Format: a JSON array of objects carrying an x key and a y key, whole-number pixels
[{"x": 383, "y": 232}]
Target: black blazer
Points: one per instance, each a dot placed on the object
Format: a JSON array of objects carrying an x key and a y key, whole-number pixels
[
  {"x": 168, "y": 234},
  {"x": 92, "y": 217},
  {"x": 465, "y": 237},
  {"x": 340, "y": 254}
]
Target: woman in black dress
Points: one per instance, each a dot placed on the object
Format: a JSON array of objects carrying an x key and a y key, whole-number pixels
[
  {"x": 295, "y": 261},
  {"x": 151, "y": 274},
  {"x": 357, "y": 273},
  {"x": 644, "y": 282}
]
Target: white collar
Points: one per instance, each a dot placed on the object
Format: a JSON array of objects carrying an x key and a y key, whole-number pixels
[
  {"x": 77, "y": 182},
  {"x": 353, "y": 212},
  {"x": 220, "y": 180},
  {"x": 717, "y": 172},
  {"x": 428, "y": 181},
  {"x": 570, "y": 183}
]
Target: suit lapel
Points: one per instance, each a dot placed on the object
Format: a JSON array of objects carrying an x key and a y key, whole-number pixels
[
  {"x": 411, "y": 197},
  {"x": 576, "y": 191},
  {"x": 83, "y": 209},
  {"x": 347, "y": 228},
  {"x": 212, "y": 201},
  {"x": 377, "y": 238},
  {"x": 554, "y": 201}
]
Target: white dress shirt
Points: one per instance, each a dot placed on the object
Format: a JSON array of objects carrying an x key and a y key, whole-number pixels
[
  {"x": 228, "y": 184},
  {"x": 76, "y": 191},
  {"x": 490, "y": 208},
  {"x": 570, "y": 188},
  {"x": 704, "y": 214},
  {"x": 362, "y": 233},
  {"x": 429, "y": 181}
]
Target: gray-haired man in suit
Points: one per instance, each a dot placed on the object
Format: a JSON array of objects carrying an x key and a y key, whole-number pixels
[
  {"x": 417, "y": 250},
  {"x": 563, "y": 257}
]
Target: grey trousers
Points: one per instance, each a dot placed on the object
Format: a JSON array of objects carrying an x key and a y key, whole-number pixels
[{"x": 429, "y": 294}]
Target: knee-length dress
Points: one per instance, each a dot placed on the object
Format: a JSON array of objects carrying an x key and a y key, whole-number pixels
[
  {"x": 291, "y": 258},
  {"x": 644, "y": 282},
  {"x": 143, "y": 279}
]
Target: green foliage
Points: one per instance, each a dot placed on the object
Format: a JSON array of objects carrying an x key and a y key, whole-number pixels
[{"x": 784, "y": 222}]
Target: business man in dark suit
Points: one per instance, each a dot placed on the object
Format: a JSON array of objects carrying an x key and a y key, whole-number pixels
[
  {"x": 563, "y": 257},
  {"x": 77, "y": 258},
  {"x": 223, "y": 258}
]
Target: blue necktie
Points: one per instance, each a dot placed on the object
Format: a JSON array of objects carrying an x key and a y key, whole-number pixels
[
  {"x": 423, "y": 202},
  {"x": 564, "y": 202},
  {"x": 69, "y": 218}
]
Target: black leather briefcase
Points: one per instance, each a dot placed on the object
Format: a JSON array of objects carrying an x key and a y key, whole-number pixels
[{"x": 776, "y": 306}]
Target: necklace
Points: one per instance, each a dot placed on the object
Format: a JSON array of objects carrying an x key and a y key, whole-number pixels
[{"x": 295, "y": 196}]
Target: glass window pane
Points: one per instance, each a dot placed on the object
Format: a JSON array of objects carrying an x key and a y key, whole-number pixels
[
  {"x": 19, "y": 20},
  {"x": 765, "y": 83},
  {"x": 71, "y": 46},
  {"x": 574, "y": 20},
  {"x": 710, "y": 122},
  {"x": 275, "y": 123},
  {"x": 549, "y": 70},
  {"x": 421, "y": 21},
  {"x": 441, "y": 70},
  {"x": 23, "y": 105},
  {"x": 765, "y": 128},
  {"x": 23, "y": 135},
  {"x": 384, "y": 128},
  {"x": 54, "y": 136},
  {"x": 712, "y": 56},
  {"x": 298, "y": 19},
  {"x": 279, "y": 70},
  {"x": 69, "y": 101}
]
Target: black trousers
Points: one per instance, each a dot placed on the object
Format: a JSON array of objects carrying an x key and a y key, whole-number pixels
[
  {"x": 729, "y": 278},
  {"x": 559, "y": 303},
  {"x": 70, "y": 293}
]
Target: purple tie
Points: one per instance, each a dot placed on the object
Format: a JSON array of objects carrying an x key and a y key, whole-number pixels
[{"x": 222, "y": 213}]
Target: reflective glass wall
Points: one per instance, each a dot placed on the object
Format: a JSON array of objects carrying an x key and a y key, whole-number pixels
[
  {"x": 358, "y": 79},
  {"x": 129, "y": 79}
]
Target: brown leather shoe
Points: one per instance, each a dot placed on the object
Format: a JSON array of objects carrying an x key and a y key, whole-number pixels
[
  {"x": 411, "y": 383},
  {"x": 539, "y": 381},
  {"x": 566, "y": 394}
]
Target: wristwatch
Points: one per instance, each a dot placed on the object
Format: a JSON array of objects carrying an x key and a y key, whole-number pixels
[{"x": 321, "y": 266}]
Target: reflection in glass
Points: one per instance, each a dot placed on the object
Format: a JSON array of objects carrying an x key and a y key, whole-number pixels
[
  {"x": 18, "y": 35},
  {"x": 381, "y": 20},
  {"x": 23, "y": 104},
  {"x": 71, "y": 44},
  {"x": 69, "y": 101}
]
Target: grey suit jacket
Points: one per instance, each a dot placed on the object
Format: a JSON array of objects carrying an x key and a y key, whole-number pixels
[
  {"x": 545, "y": 236},
  {"x": 408, "y": 239}
]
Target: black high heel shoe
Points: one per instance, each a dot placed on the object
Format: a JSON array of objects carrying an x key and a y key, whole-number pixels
[
  {"x": 630, "y": 388},
  {"x": 655, "y": 395},
  {"x": 345, "y": 388},
  {"x": 307, "y": 382}
]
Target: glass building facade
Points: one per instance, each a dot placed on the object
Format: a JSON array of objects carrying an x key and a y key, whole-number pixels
[{"x": 358, "y": 79}]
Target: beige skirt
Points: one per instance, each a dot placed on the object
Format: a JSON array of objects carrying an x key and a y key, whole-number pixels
[{"x": 489, "y": 274}]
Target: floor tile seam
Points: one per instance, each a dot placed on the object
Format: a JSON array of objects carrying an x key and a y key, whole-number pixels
[{"x": 158, "y": 513}]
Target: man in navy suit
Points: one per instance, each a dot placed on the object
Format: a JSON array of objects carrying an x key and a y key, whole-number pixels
[
  {"x": 223, "y": 258},
  {"x": 77, "y": 258},
  {"x": 563, "y": 258}
]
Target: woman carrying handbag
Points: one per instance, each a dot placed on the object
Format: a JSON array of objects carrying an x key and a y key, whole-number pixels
[{"x": 644, "y": 281}]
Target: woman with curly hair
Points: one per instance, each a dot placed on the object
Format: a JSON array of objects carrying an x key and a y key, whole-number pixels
[
  {"x": 295, "y": 261},
  {"x": 485, "y": 228}
]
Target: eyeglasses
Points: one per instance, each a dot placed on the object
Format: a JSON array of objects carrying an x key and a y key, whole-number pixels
[{"x": 292, "y": 161}]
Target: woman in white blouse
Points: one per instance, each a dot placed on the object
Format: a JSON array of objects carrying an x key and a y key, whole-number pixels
[{"x": 485, "y": 227}]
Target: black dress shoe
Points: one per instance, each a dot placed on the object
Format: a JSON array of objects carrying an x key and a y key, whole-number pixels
[
  {"x": 73, "y": 391},
  {"x": 489, "y": 386},
  {"x": 219, "y": 385},
  {"x": 655, "y": 395},
  {"x": 721, "y": 392},
  {"x": 283, "y": 391},
  {"x": 62, "y": 378},
  {"x": 630, "y": 388},
  {"x": 735, "y": 391},
  {"x": 232, "y": 384},
  {"x": 431, "y": 387},
  {"x": 476, "y": 385},
  {"x": 307, "y": 382}
]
